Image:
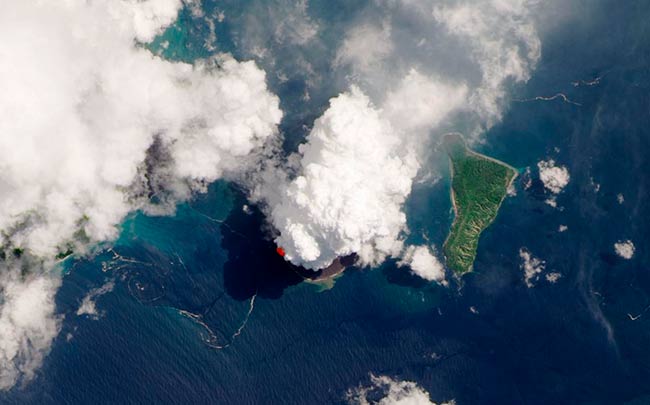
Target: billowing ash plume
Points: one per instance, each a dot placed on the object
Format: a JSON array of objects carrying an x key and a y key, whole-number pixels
[
  {"x": 348, "y": 196},
  {"x": 413, "y": 68},
  {"x": 93, "y": 126}
]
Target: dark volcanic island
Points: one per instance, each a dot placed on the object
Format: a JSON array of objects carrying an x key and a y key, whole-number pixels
[{"x": 337, "y": 267}]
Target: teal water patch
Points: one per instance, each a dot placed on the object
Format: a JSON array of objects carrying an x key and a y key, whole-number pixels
[
  {"x": 179, "y": 41},
  {"x": 206, "y": 210}
]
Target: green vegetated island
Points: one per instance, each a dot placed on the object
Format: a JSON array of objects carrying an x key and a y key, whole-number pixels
[{"x": 478, "y": 186}]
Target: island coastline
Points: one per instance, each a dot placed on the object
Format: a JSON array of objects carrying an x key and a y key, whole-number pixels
[{"x": 480, "y": 200}]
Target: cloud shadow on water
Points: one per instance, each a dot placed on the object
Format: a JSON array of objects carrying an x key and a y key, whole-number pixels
[{"x": 402, "y": 276}]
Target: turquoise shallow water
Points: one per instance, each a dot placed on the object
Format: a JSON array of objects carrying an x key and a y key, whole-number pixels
[{"x": 290, "y": 342}]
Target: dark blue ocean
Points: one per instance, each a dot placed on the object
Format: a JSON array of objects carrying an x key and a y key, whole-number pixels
[{"x": 203, "y": 310}]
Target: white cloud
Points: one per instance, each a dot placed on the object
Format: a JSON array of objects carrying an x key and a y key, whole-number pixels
[
  {"x": 353, "y": 179},
  {"x": 91, "y": 125},
  {"x": 553, "y": 277},
  {"x": 502, "y": 40},
  {"x": 278, "y": 33},
  {"x": 365, "y": 48},
  {"x": 531, "y": 265},
  {"x": 594, "y": 184},
  {"x": 620, "y": 198},
  {"x": 491, "y": 39},
  {"x": 423, "y": 263},
  {"x": 562, "y": 228},
  {"x": 79, "y": 130},
  {"x": 418, "y": 102},
  {"x": 387, "y": 391},
  {"x": 88, "y": 306},
  {"x": 552, "y": 201},
  {"x": 554, "y": 178},
  {"x": 147, "y": 17},
  {"x": 27, "y": 324},
  {"x": 295, "y": 25},
  {"x": 624, "y": 249}
]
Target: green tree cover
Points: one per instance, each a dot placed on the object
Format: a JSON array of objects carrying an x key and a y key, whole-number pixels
[{"x": 479, "y": 185}]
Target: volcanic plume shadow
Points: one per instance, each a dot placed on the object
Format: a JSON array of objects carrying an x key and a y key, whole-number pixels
[{"x": 253, "y": 266}]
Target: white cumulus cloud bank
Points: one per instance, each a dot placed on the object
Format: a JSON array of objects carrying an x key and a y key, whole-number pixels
[
  {"x": 423, "y": 263},
  {"x": 92, "y": 125},
  {"x": 345, "y": 188},
  {"x": 625, "y": 249},
  {"x": 532, "y": 267},
  {"x": 27, "y": 324},
  {"x": 555, "y": 178},
  {"x": 388, "y": 391}
]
